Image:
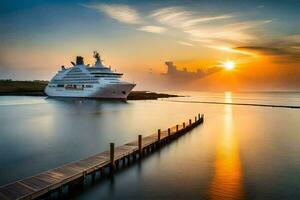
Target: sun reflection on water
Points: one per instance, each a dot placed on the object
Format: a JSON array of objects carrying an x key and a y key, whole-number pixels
[{"x": 227, "y": 178}]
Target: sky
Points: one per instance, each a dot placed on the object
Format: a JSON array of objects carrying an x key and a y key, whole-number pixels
[{"x": 261, "y": 38}]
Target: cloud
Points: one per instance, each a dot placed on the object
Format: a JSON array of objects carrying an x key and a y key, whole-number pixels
[
  {"x": 278, "y": 51},
  {"x": 152, "y": 29},
  {"x": 266, "y": 50},
  {"x": 206, "y": 19},
  {"x": 232, "y": 50},
  {"x": 246, "y": 24},
  {"x": 184, "y": 76},
  {"x": 185, "y": 43},
  {"x": 209, "y": 31},
  {"x": 119, "y": 12},
  {"x": 182, "y": 18},
  {"x": 217, "y": 34},
  {"x": 227, "y": 35},
  {"x": 292, "y": 40}
]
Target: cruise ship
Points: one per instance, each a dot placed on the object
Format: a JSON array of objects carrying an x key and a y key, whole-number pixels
[{"x": 80, "y": 80}]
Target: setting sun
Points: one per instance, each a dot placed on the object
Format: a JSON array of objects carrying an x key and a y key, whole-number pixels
[{"x": 229, "y": 65}]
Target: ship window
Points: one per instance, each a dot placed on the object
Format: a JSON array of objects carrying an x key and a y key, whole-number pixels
[
  {"x": 88, "y": 86},
  {"x": 60, "y": 85},
  {"x": 123, "y": 92}
]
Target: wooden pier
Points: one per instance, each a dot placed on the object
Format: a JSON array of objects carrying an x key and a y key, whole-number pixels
[{"x": 56, "y": 180}]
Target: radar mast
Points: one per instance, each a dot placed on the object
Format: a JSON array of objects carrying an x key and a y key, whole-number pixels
[{"x": 98, "y": 62}]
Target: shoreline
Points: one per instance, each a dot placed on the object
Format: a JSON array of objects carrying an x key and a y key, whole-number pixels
[
  {"x": 134, "y": 95},
  {"x": 36, "y": 88}
]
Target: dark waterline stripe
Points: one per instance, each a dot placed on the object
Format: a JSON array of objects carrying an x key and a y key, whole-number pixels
[{"x": 237, "y": 104}]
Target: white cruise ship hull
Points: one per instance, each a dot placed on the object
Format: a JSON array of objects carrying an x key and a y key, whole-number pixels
[{"x": 107, "y": 91}]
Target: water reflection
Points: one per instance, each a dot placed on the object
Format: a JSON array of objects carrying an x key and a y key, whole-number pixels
[{"x": 227, "y": 178}]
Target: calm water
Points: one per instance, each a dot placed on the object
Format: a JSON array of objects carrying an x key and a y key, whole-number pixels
[{"x": 240, "y": 152}]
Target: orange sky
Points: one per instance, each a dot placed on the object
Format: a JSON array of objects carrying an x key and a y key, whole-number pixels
[{"x": 263, "y": 41}]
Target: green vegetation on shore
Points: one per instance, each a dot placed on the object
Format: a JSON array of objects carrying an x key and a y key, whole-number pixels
[
  {"x": 36, "y": 88},
  {"x": 142, "y": 95},
  {"x": 22, "y": 87}
]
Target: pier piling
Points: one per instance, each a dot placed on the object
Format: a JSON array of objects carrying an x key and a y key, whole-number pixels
[
  {"x": 140, "y": 145},
  {"x": 158, "y": 134},
  {"x": 112, "y": 156}
]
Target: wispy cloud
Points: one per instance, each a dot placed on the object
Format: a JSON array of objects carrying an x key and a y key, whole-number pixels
[
  {"x": 288, "y": 47},
  {"x": 232, "y": 50},
  {"x": 152, "y": 29},
  {"x": 217, "y": 35},
  {"x": 280, "y": 52},
  {"x": 185, "y": 43},
  {"x": 219, "y": 32},
  {"x": 292, "y": 40},
  {"x": 222, "y": 32},
  {"x": 206, "y": 19},
  {"x": 239, "y": 26},
  {"x": 119, "y": 12},
  {"x": 222, "y": 35},
  {"x": 182, "y": 18}
]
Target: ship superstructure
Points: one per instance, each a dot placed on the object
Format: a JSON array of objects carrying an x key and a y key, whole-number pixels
[{"x": 80, "y": 80}]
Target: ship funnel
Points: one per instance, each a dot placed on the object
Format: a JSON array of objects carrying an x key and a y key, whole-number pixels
[{"x": 79, "y": 60}]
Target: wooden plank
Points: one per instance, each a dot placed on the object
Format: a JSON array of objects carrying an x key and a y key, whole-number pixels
[
  {"x": 67, "y": 170},
  {"x": 35, "y": 183},
  {"x": 15, "y": 191},
  {"x": 46, "y": 178},
  {"x": 58, "y": 176},
  {"x": 61, "y": 173}
]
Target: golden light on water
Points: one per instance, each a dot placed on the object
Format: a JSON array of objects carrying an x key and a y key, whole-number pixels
[{"x": 227, "y": 179}]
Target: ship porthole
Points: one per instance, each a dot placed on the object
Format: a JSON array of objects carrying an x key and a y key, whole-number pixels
[{"x": 123, "y": 92}]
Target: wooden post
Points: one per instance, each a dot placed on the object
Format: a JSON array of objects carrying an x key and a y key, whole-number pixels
[
  {"x": 176, "y": 127},
  {"x": 195, "y": 119},
  {"x": 117, "y": 164},
  {"x": 198, "y": 116},
  {"x": 169, "y": 131},
  {"x": 140, "y": 144},
  {"x": 60, "y": 191},
  {"x": 112, "y": 156},
  {"x": 101, "y": 171},
  {"x": 93, "y": 177},
  {"x": 158, "y": 134},
  {"x": 128, "y": 159},
  {"x": 190, "y": 121},
  {"x": 183, "y": 124}
]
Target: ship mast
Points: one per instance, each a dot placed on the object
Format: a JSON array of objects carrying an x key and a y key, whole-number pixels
[{"x": 98, "y": 62}]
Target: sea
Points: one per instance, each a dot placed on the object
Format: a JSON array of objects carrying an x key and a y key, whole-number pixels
[{"x": 247, "y": 148}]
